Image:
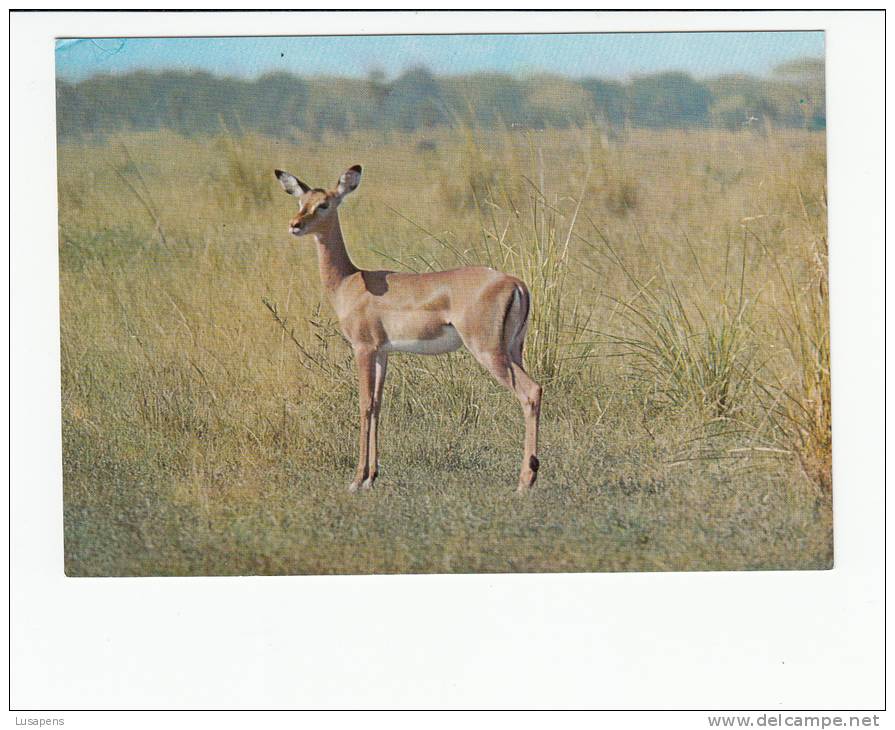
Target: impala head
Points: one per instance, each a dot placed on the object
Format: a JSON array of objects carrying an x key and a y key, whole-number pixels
[{"x": 316, "y": 206}]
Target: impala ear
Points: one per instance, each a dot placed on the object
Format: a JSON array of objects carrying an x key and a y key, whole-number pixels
[
  {"x": 349, "y": 181},
  {"x": 290, "y": 183}
]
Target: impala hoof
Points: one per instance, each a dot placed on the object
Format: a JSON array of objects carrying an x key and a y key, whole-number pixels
[
  {"x": 354, "y": 486},
  {"x": 529, "y": 474},
  {"x": 527, "y": 481},
  {"x": 367, "y": 485}
]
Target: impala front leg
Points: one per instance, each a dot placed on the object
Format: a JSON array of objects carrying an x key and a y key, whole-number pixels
[
  {"x": 379, "y": 379},
  {"x": 366, "y": 373}
]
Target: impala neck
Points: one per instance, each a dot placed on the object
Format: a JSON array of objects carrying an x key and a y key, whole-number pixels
[{"x": 335, "y": 263}]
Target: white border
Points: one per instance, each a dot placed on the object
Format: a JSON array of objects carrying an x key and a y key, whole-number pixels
[{"x": 801, "y": 640}]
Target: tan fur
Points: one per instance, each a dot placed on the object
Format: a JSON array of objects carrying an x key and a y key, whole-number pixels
[{"x": 383, "y": 311}]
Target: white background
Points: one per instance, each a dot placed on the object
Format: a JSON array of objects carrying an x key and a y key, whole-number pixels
[{"x": 731, "y": 641}]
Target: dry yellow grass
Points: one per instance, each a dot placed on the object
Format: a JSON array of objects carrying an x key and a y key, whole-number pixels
[{"x": 680, "y": 329}]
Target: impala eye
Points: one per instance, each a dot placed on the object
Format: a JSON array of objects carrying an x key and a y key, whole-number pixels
[{"x": 323, "y": 206}]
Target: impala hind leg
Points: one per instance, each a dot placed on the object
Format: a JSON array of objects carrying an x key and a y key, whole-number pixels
[
  {"x": 366, "y": 377},
  {"x": 529, "y": 394},
  {"x": 512, "y": 375}
]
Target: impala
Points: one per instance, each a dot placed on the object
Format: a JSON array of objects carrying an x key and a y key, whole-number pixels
[{"x": 380, "y": 312}]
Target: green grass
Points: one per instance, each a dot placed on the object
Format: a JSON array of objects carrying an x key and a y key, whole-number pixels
[{"x": 679, "y": 329}]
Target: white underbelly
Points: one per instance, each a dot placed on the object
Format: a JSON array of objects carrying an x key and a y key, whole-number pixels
[{"x": 447, "y": 341}]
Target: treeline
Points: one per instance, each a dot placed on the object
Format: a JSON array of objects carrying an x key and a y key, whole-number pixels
[{"x": 281, "y": 104}]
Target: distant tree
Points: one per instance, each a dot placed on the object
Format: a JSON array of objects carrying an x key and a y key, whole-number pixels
[
  {"x": 740, "y": 112},
  {"x": 557, "y": 102},
  {"x": 806, "y": 76},
  {"x": 743, "y": 101},
  {"x": 273, "y": 104},
  {"x": 669, "y": 100},
  {"x": 378, "y": 85},
  {"x": 70, "y": 117},
  {"x": 485, "y": 99},
  {"x": 802, "y": 70},
  {"x": 414, "y": 100},
  {"x": 610, "y": 100}
]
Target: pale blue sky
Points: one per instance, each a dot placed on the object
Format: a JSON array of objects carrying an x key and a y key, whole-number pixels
[{"x": 615, "y": 55}]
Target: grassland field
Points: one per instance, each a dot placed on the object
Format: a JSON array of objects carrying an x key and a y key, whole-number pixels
[{"x": 679, "y": 328}]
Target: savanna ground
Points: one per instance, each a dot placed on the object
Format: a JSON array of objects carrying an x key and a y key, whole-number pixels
[{"x": 680, "y": 331}]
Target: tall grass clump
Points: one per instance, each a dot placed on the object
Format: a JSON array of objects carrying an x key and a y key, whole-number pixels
[
  {"x": 245, "y": 183},
  {"x": 693, "y": 352},
  {"x": 797, "y": 398}
]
